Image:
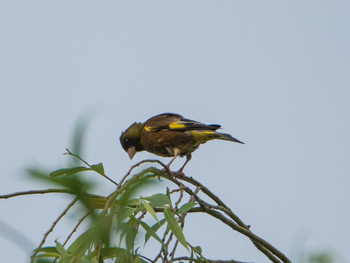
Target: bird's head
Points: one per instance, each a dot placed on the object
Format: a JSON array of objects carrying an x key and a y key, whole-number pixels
[{"x": 131, "y": 139}]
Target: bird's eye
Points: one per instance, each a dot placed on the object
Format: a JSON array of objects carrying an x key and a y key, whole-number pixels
[{"x": 127, "y": 143}]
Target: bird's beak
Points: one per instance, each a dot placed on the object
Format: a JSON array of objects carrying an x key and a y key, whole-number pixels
[{"x": 131, "y": 152}]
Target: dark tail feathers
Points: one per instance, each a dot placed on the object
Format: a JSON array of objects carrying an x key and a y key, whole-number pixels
[{"x": 226, "y": 137}]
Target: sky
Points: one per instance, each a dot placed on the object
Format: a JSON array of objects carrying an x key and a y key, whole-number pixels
[{"x": 274, "y": 74}]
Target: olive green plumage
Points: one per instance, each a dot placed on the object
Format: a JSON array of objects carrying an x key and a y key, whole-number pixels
[{"x": 170, "y": 135}]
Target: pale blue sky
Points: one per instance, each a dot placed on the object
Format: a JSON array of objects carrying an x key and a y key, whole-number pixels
[{"x": 274, "y": 74}]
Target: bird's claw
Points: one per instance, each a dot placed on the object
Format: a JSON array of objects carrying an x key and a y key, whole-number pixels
[{"x": 179, "y": 174}]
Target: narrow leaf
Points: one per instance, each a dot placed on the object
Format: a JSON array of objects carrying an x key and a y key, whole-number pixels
[
  {"x": 84, "y": 260},
  {"x": 150, "y": 210},
  {"x": 98, "y": 168},
  {"x": 61, "y": 250},
  {"x": 174, "y": 227},
  {"x": 69, "y": 171},
  {"x": 82, "y": 243},
  {"x": 158, "y": 199},
  {"x": 111, "y": 252},
  {"x": 136, "y": 259},
  {"x": 130, "y": 238},
  {"x": 48, "y": 252},
  {"x": 154, "y": 228},
  {"x": 151, "y": 232},
  {"x": 198, "y": 250},
  {"x": 186, "y": 207}
]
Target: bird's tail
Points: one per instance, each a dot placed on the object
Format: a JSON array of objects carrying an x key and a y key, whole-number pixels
[
  {"x": 204, "y": 136},
  {"x": 226, "y": 137}
]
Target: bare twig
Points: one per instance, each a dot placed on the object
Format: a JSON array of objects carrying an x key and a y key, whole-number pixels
[
  {"x": 270, "y": 251},
  {"x": 210, "y": 260},
  {"x": 216, "y": 199},
  {"x": 52, "y": 228},
  {"x": 34, "y": 192},
  {"x": 182, "y": 220},
  {"x": 74, "y": 230},
  {"x": 81, "y": 159},
  {"x": 76, "y": 227},
  {"x": 215, "y": 207},
  {"x": 138, "y": 164}
]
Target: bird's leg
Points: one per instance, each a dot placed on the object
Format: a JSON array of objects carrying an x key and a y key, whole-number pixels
[
  {"x": 180, "y": 172},
  {"x": 168, "y": 166}
]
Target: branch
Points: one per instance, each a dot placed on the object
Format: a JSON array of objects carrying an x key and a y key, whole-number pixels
[
  {"x": 52, "y": 228},
  {"x": 76, "y": 227},
  {"x": 210, "y": 260},
  {"x": 33, "y": 192},
  {"x": 81, "y": 159},
  {"x": 138, "y": 164},
  {"x": 270, "y": 251},
  {"x": 216, "y": 199}
]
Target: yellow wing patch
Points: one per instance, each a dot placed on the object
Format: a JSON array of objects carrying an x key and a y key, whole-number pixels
[
  {"x": 171, "y": 126},
  {"x": 176, "y": 125}
]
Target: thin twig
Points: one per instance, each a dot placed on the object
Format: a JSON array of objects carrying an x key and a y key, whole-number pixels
[
  {"x": 182, "y": 220},
  {"x": 52, "y": 228},
  {"x": 216, "y": 199},
  {"x": 210, "y": 260},
  {"x": 270, "y": 251},
  {"x": 76, "y": 227},
  {"x": 74, "y": 230},
  {"x": 34, "y": 192},
  {"x": 172, "y": 254},
  {"x": 218, "y": 210},
  {"x": 159, "y": 255},
  {"x": 81, "y": 159},
  {"x": 76, "y": 156},
  {"x": 146, "y": 258},
  {"x": 138, "y": 164}
]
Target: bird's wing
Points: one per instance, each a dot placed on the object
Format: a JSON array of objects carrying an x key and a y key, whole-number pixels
[{"x": 176, "y": 122}]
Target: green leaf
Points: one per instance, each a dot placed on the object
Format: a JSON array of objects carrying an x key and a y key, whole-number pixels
[
  {"x": 174, "y": 227},
  {"x": 152, "y": 233},
  {"x": 61, "y": 250},
  {"x": 150, "y": 210},
  {"x": 129, "y": 230},
  {"x": 130, "y": 238},
  {"x": 69, "y": 171},
  {"x": 48, "y": 252},
  {"x": 168, "y": 193},
  {"x": 186, "y": 207},
  {"x": 98, "y": 168},
  {"x": 111, "y": 252},
  {"x": 124, "y": 212},
  {"x": 154, "y": 228},
  {"x": 158, "y": 199},
  {"x": 136, "y": 259},
  {"x": 96, "y": 202},
  {"x": 198, "y": 250},
  {"x": 84, "y": 260},
  {"x": 82, "y": 243}
]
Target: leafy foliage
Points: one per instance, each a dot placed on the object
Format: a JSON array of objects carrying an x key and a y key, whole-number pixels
[
  {"x": 119, "y": 227},
  {"x": 116, "y": 220}
]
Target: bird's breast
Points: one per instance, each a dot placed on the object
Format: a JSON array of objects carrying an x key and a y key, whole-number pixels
[{"x": 169, "y": 143}]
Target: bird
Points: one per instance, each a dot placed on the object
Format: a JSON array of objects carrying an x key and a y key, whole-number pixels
[{"x": 170, "y": 135}]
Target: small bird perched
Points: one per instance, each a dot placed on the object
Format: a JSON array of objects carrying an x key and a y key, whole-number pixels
[{"x": 170, "y": 135}]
